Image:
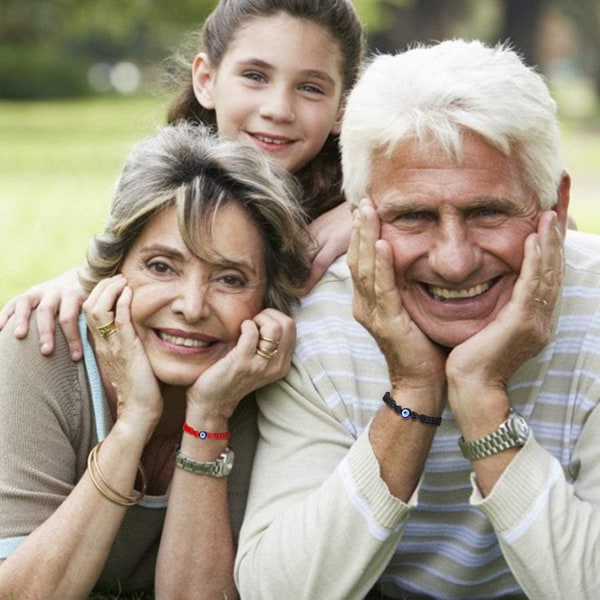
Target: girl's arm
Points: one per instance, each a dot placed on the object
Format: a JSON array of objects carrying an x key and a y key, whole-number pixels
[
  {"x": 332, "y": 232},
  {"x": 62, "y": 296}
]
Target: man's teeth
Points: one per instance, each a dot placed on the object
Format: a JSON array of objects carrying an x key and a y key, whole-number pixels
[
  {"x": 445, "y": 294},
  {"x": 181, "y": 341}
]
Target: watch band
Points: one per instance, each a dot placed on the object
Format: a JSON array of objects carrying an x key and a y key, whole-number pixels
[
  {"x": 511, "y": 433},
  {"x": 216, "y": 468}
]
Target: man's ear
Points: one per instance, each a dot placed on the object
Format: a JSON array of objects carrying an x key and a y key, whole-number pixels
[
  {"x": 562, "y": 204},
  {"x": 202, "y": 79}
]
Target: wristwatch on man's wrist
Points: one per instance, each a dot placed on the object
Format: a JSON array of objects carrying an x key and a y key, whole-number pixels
[
  {"x": 512, "y": 433},
  {"x": 215, "y": 468}
]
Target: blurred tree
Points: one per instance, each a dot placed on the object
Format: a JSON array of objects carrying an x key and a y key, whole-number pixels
[
  {"x": 46, "y": 47},
  {"x": 520, "y": 24},
  {"x": 586, "y": 16}
]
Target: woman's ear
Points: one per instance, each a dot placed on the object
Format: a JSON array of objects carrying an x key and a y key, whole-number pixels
[{"x": 202, "y": 79}]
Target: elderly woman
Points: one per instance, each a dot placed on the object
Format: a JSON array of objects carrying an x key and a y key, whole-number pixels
[{"x": 119, "y": 472}]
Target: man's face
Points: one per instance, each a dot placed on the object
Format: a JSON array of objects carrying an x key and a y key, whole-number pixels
[{"x": 457, "y": 233}]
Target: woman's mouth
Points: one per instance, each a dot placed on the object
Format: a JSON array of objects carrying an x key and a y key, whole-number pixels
[{"x": 186, "y": 342}]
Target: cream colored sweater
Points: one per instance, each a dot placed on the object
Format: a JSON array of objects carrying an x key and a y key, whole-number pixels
[{"x": 321, "y": 523}]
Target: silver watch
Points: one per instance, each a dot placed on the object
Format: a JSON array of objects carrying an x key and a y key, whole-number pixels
[
  {"x": 513, "y": 432},
  {"x": 215, "y": 468}
]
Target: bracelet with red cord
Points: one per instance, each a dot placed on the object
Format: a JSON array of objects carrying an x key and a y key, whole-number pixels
[{"x": 206, "y": 435}]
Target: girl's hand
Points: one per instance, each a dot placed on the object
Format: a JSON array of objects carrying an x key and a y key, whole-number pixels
[
  {"x": 216, "y": 393},
  {"x": 121, "y": 356},
  {"x": 332, "y": 233},
  {"x": 63, "y": 296}
]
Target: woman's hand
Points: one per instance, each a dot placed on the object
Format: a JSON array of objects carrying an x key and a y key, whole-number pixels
[
  {"x": 63, "y": 296},
  {"x": 332, "y": 233},
  {"x": 121, "y": 355},
  {"x": 217, "y": 392}
]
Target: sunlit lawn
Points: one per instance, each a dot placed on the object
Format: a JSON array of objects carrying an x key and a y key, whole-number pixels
[{"x": 58, "y": 162}]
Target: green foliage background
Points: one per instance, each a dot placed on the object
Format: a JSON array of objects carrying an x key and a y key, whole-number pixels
[{"x": 59, "y": 160}]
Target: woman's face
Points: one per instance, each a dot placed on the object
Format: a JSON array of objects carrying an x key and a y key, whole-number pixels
[
  {"x": 278, "y": 87},
  {"x": 186, "y": 311}
]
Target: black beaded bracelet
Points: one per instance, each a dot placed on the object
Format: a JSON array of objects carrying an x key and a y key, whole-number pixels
[{"x": 406, "y": 413}]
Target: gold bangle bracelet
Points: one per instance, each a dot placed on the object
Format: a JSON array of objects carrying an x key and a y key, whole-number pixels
[{"x": 102, "y": 485}]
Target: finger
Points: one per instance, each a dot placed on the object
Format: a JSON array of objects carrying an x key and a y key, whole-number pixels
[
  {"x": 320, "y": 263},
  {"x": 68, "y": 318},
  {"x": 551, "y": 247},
  {"x": 123, "y": 314},
  {"x": 386, "y": 291},
  {"x": 6, "y": 313},
  {"x": 46, "y": 321},
  {"x": 99, "y": 308}
]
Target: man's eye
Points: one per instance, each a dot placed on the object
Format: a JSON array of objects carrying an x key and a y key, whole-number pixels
[{"x": 414, "y": 215}]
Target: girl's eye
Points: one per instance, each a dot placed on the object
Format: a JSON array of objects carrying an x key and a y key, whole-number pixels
[
  {"x": 254, "y": 76},
  {"x": 312, "y": 89}
]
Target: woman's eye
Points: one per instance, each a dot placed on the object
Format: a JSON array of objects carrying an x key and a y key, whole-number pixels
[
  {"x": 234, "y": 281},
  {"x": 159, "y": 267}
]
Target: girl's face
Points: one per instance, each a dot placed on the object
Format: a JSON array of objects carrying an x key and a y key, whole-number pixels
[
  {"x": 279, "y": 87},
  {"x": 186, "y": 311}
]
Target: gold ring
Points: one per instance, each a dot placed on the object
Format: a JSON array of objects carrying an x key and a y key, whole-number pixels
[
  {"x": 107, "y": 330},
  {"x": 541, "y": 301},
  {"x": 268, "y": 354},
  {"x": 263, "y": 338}
]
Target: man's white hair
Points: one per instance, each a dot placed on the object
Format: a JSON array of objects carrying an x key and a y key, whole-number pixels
[{"x": 435, "y": 94}]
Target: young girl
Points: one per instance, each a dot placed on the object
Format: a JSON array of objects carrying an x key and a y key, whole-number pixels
[{"x": 272, "y": 73}]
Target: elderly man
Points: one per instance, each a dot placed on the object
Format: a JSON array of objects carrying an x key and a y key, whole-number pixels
[{"x": 478, "y": 475}]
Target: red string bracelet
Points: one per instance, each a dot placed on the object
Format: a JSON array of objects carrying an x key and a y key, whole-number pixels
[{"x": 206, "y": 435}]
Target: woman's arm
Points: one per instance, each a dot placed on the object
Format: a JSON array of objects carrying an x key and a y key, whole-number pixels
[
  {"x": 62, "y": 296},
  {"x": 63, "y": 556},
  {"x": 197, "y": 550}
]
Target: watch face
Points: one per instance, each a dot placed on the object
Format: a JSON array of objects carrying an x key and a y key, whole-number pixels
[
  {"x": 226, "y": 462},
  {"x": 519, "y": 427}
]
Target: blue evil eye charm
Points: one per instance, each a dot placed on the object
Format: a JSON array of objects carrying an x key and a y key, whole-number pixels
[{"x": 406, "y": 413}]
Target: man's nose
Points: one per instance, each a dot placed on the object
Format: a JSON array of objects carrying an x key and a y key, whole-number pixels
[{"x": 454, "y": 255}]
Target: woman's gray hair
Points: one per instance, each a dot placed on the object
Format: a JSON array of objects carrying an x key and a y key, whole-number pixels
[
  {"x": 187, "y": 166},
  {"x": 435, "y": 94}
]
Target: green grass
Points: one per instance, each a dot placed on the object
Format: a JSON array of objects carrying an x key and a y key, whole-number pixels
[{"x": 59, "y": 160}]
